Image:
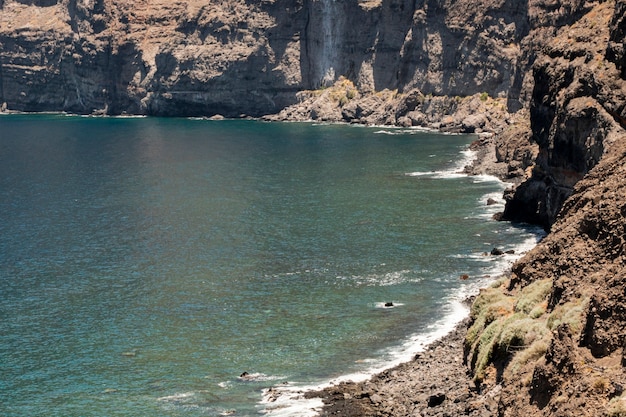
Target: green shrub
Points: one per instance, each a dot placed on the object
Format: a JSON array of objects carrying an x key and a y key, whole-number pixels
[
  {"x": 484, "y": 96},
  {"x": 571, "y": 313},
  {"x": 490, "y": 305},
  {"x": 513, "y": 332},
  {"x": 499, "y": 282},
  {"x": 486, "y": 299},
  {"x": 537, "y": 312},
  {"x": 532, "y": 295},
  {"x": 485, "y": 349},
  {"x": 519, "y": 331},
  {"x": 533, "y": 352}
]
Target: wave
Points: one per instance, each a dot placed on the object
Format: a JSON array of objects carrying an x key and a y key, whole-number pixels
[
  {"x": 382, "y": 280},
  {"x": 456, "y": 171},
  {"x": 388, "y": 305},
  {"x": 437, "y": 174},
  {"x": 291, "y": 399},
  {"x": 401, "y": 131},
  {"x": 394, "y": 130},
  {"x": 257, "y": 376}
]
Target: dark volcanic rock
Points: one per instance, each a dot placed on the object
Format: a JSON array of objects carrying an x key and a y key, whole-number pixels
[
  {"x": 436, "y": 400},
  {"x": 436, "y": 383},
  {"x": 572, "y": 114}
]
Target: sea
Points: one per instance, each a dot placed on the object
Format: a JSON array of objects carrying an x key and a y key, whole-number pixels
[{"x": 189, "y": 267}]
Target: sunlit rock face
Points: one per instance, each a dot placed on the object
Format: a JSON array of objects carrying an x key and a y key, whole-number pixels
[{"x": 246, "y": 57}]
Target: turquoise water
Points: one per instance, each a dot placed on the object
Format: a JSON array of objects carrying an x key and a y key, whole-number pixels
[{"x": 146, "y": 263}]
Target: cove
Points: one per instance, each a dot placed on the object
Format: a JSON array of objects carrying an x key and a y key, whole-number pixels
[{"x": 145, "y": 264}]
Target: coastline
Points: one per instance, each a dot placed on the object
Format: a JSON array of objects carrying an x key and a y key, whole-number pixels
[
  {"x": 416, "y": 386},
  {"x": 545, "y": 91},
  {"x": 435, "y": 380},
  {"x": 435, "y": 383}
]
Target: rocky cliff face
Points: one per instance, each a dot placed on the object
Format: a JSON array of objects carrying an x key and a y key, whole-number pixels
[
  {"x": 574, "y": 356},
  {"x": 151, "y": 57},
  {"x": 576, "y": 109},
  {"x": 237, "y": 56},
  {"x": 565, "y": 357}
]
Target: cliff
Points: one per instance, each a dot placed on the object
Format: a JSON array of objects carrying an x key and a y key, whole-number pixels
[
  {"x": 244, "y": 57},
  {"x": 577, "y": 109},
  {"x": 551, "y": 336},
  {"x": 542, "y": 81}
]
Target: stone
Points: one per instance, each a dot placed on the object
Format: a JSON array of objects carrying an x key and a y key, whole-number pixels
[
  {"x": 376, "y": 398},
  {"x": 496, "y": 252},
  {"x": 435, "y": 400}
]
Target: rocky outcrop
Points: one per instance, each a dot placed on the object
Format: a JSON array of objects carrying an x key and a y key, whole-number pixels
[
  {"x": 434, "y": 384},
  {"x": 156, "y": 57},
  {"x": 572, "y": 357},
  {"x": 581, "y": 371},
  {"x": 576, "y": 108}
]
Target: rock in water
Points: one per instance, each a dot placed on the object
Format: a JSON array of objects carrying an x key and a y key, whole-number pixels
[{"x": 497, "y": 252}]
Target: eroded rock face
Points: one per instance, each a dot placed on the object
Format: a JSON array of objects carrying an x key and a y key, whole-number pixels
[
  {"x": 246, "y": 57},
  {"x": 156, "y": 57},
  {"x": 584, "y": 255},
  {"x": 577, "y": 102},
  {"x": 616, "y": 50}
]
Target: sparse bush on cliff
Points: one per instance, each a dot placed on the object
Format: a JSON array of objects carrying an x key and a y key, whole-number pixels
[
  {"x": 508, "y": 326},
  {"x": 570, "y": 313},
  {"x": 530, "y": 354},
  {"x": 519, "y": 331},
  {"x": 485, "y": 349},
  {"x": 490, "y": 305},
  {"x": 342, "y": 91},
  {"x": 532, "y": 295}
]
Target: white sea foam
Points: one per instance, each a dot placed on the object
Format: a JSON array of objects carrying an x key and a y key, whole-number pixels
[
  {"x": 388, "y": 304},
  {"x": 455, "y": 171},
  {"x": 257, "y": 376},
  {"x": 382, "y": 280},
  {"x": 437, "y": 174},
  {"x": 176, "y": 397},
  {"x": 289, "y": 400},
  {"x": 191, "y": 402},
  {"x": 395, "y": 130}
]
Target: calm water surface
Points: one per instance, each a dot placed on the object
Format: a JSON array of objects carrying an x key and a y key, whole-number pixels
[{"x": 146, "y": 263}]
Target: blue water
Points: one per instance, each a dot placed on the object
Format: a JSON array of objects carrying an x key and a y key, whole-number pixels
[{"x": 146, "y": 263}]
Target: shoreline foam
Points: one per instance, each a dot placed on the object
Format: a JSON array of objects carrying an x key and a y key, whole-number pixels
[{"x": 300, "y": 401}]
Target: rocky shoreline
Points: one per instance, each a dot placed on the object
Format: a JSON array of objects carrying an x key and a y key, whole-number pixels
[
  {"x": 549, "y": 341},
  {"x": 436, "y": 383}
]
